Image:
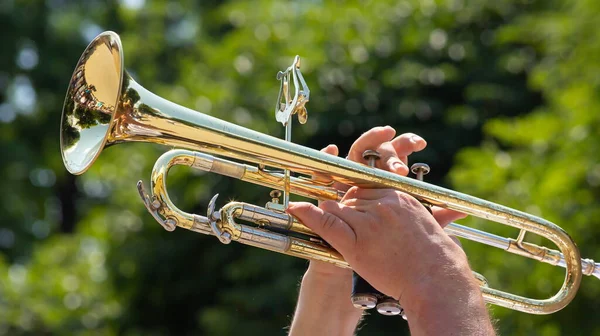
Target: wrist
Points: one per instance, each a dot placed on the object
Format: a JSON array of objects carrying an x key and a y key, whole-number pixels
[
  {"x": 324, "y": 306},
  {"x": 438, "y": 309},
  {"x": 442, "y": 265},
  {"x": 331, "y": 284},
  {"x": 454, "y": 283},
  {"x": 444, "y": 295},
  {"x": 327, "y": 272}
]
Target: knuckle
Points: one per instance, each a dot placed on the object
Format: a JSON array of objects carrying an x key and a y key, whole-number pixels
[
  {"x": 326, "y": 205},
  {"x": 397, "y": 198},
  {"x": 391, "y": 194},
  {"x": 401, "y": 196},
  {"x": 385, "y": 210},
  {"x": 386, "y": 149},
  {"x": 328, "y": 221},
  {"x": 408, "y": 200},
  {"x": 390, "y": 161}
]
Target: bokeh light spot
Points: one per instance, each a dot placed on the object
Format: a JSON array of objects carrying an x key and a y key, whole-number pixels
[
  {"x": 40, "y": 229},
  {"x": 133, "y": 4},
  {"x": 438, "y": 39},
  {"x": 242, "y": 64},
  {"x": 23, "y": 96},
  {"x": 27, "y": 57},
  {"x": 7, "y": 113},
  {"x": 456, "y": 52},
  {"x": 72, "y": 301},
  {"x": 7, "y": 238},
  {"x": 42, "y": 177},
  {"x": 203, "y": 104},
  {"x": 17, "y": 274}
]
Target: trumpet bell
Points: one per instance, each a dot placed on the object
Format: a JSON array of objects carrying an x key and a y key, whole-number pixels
[{"x": 91, "y": 103}]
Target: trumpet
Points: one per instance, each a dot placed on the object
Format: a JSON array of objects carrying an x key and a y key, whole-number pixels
[{"x": 104, "y": 106}]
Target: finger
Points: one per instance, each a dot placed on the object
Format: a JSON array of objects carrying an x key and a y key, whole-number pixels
[
  {"x": 370, "y": 140},
  {"x": 446, "y": 216},
  {"x": 330, "y": 227},
  {"x": 356, "y": 193},
  {"x": 406, "y": 144},
  {"x": 389, "y": 159},
  {"x": 331, "y": 149},
  {"x": 343, "y": 212}
]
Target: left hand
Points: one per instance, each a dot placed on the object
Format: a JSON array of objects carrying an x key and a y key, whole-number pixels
[
  {"x": 377, "y": 231},
  {"x": 394, "y": 153},
  {"x": 394, "y": 243}
]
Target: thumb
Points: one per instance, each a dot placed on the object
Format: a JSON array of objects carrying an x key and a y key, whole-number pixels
[{"x": 327, "y": 225}]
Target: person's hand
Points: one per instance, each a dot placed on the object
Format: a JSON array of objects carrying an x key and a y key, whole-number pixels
[
  {"x": 370, "y": 225},
  {"x": 394, "y": 243},
  {"x": 324, "y": 304},
  {"x": 394, "y": 158},
  {"x": 394, "y": 153}
]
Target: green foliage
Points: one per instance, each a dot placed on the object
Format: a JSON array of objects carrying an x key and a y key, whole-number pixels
[
  {"x": 513, "y": 80},
  {"x": 546, "y": 162}
]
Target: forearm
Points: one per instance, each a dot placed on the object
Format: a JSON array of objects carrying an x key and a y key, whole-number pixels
[
  {"x": 448, "y": 303},
  {"x": 324, "y": 305}
]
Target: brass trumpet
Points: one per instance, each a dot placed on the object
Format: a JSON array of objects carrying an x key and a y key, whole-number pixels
[{"x": 105, "y": 106}]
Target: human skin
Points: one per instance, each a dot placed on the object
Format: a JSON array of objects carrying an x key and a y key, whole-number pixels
[{"x": 324, "y": 306}]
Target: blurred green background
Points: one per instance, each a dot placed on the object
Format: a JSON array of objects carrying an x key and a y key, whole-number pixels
[{"x": 506, "y": 92}]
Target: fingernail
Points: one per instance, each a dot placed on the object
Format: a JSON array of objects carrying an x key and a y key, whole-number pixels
[
  {"x": 419, "y": 142},
  {"x": 398, "y": 166},
  {"x": 416, "y": 139}
]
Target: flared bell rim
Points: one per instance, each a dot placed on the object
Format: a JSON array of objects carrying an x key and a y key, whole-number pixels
[{"x": 81, "y": 103}]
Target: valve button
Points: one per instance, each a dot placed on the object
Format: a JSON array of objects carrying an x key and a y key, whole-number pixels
[
  {"x": 389, "y": 307},
  {"x": 364, "y": 301}
]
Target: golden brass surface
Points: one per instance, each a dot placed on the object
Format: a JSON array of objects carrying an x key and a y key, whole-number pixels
[{"x": 105, "y": 106}]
